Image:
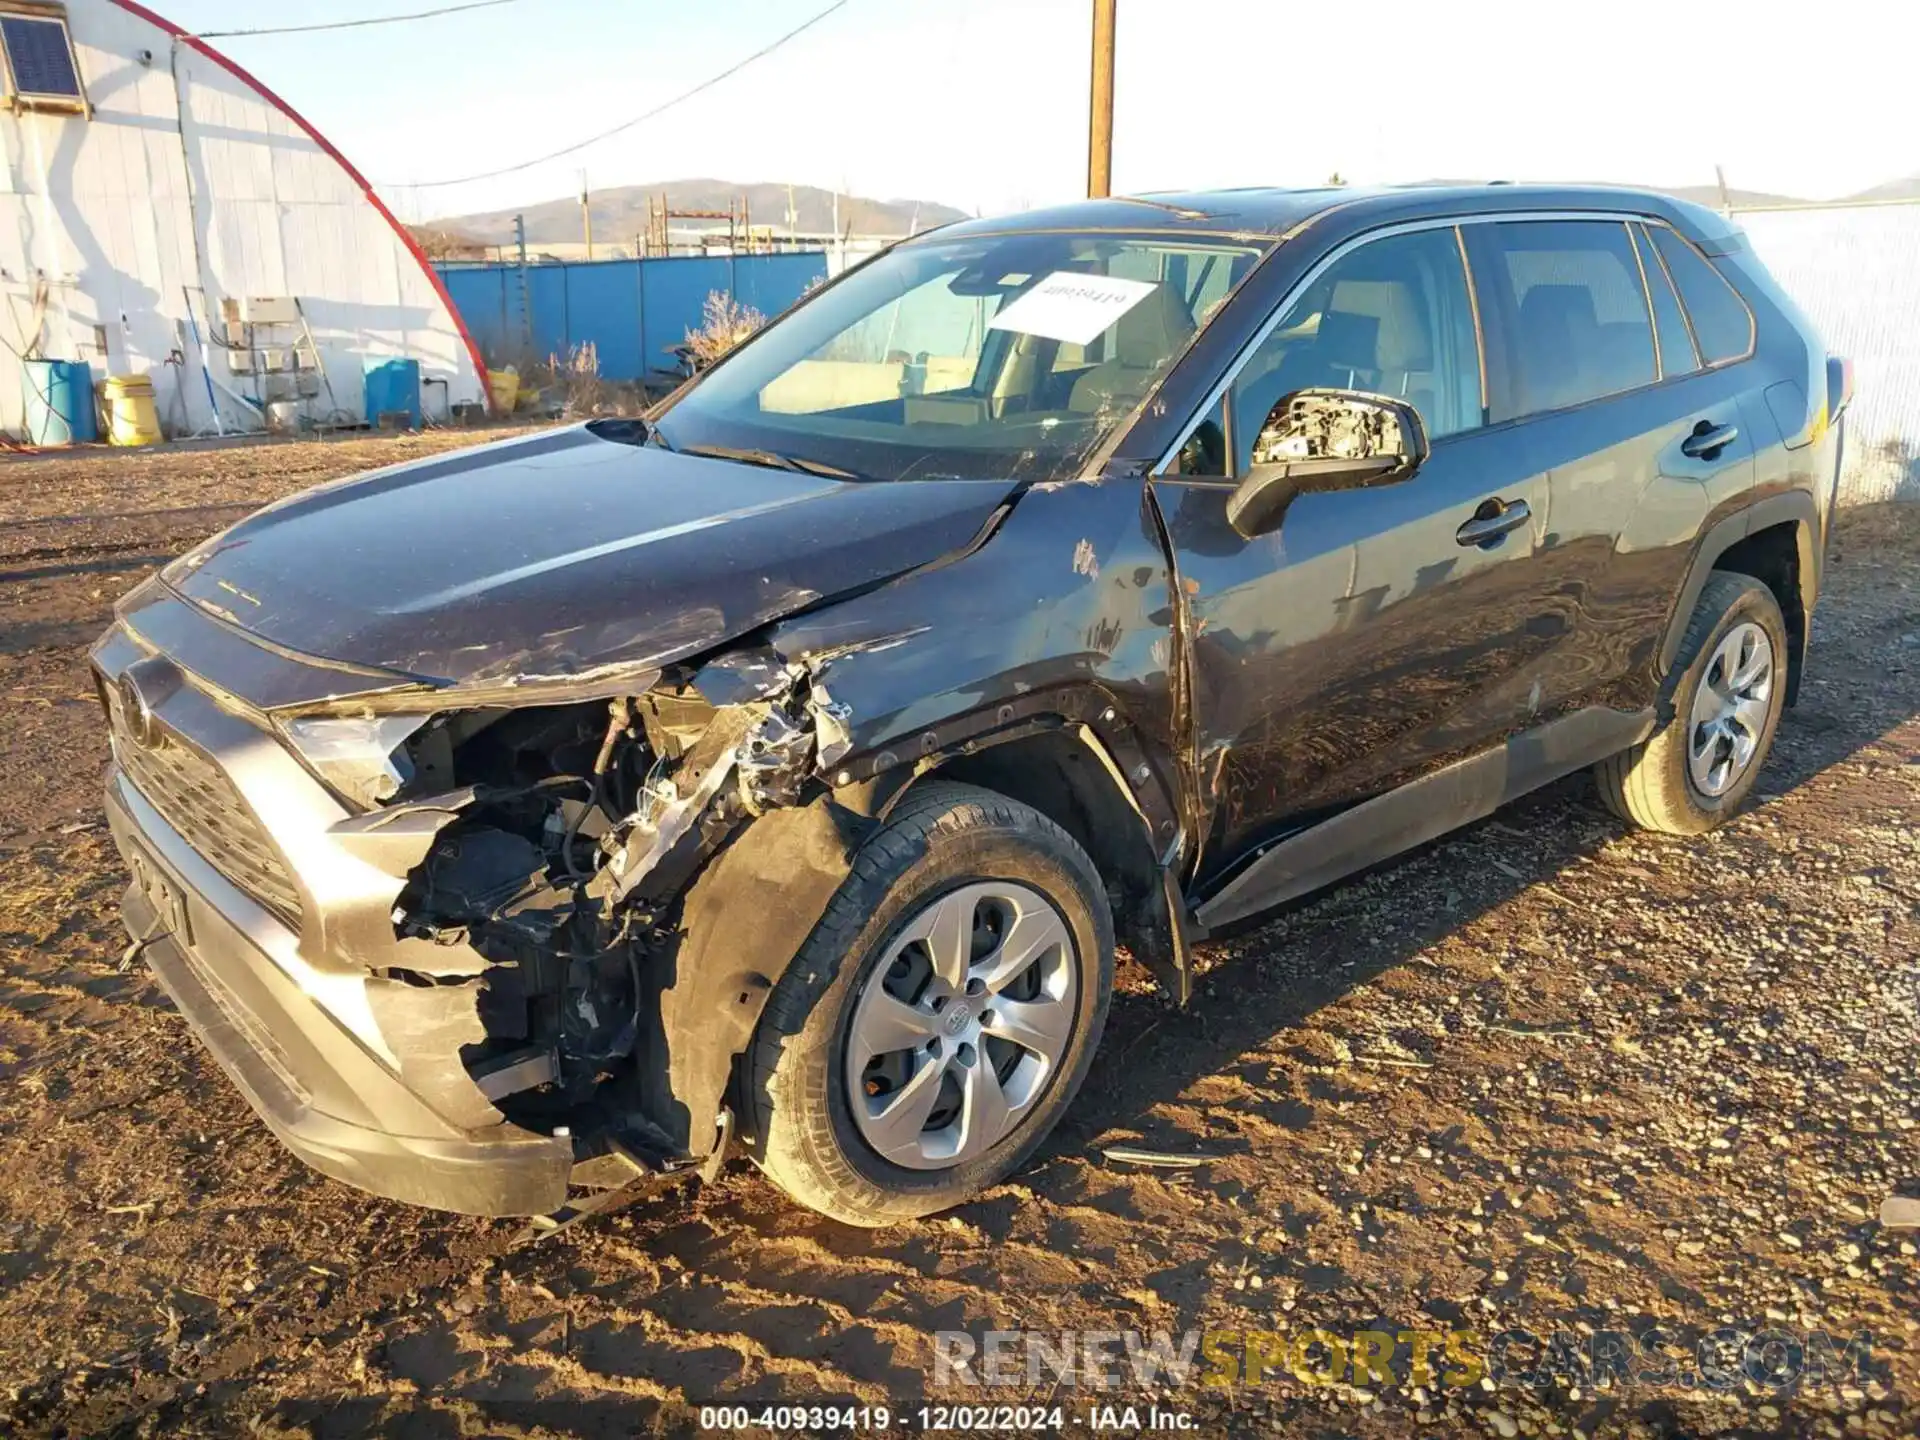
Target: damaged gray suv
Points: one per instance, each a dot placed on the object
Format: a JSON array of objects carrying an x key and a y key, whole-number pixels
[{"x": 777, "y": 774}]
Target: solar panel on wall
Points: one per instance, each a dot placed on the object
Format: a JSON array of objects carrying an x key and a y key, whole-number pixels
[{"x": 40, "y": 57}]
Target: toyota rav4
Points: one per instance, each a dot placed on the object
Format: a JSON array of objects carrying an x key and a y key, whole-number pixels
[{"x": 778, "y": 773}]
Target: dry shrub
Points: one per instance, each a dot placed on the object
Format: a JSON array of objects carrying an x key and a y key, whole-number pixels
[
  {"x": 437, "y": 242},
  {"x": 724, "y": 323},
  {"x": 576, "y": 375},
  {"x": 572, "y": 386}
]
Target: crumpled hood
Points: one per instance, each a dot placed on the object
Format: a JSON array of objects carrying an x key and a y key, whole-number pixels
[{"x": 560, "y": 554}]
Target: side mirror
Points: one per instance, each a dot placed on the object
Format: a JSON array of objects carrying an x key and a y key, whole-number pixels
[{"x": 1325, "y": 440}]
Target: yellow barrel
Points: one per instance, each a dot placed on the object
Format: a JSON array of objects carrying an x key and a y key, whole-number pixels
[
  {"x": 131, "y": 416},
  {"x": 505, "y": 386}
]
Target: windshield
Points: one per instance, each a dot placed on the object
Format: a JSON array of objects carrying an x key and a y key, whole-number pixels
[{"x": 1004, "y": 356}]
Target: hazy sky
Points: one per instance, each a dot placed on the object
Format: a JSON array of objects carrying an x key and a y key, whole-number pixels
[{"x": 982, "y": 103}]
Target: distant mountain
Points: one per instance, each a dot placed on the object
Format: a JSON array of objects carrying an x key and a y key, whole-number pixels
[
  {"x": 1709, "y": 195},
  {"x": 620, "y": 214},
  {"x": 1904, "y": 189}
]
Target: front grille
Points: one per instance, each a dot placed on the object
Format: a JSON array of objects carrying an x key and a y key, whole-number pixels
[{"x": 196, "y": 798}]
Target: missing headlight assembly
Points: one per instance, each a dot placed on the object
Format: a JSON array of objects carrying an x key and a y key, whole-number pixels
[{"x": 572, "y": 892}]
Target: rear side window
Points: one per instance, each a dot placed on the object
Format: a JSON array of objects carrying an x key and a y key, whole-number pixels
[
  {"x": 1570, "y": 308},
  {"x": 1670, "y": 326},
  {"x": 1721, "y": 321}
]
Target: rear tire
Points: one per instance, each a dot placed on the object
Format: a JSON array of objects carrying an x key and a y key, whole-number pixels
[
  {"x": 868, "y": 1016},
  {"x": 1694, "y": 772}
]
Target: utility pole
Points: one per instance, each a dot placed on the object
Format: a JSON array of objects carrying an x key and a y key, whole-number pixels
[
  {"x": 1100, "y": 126},
  {"x": 526, "y": 299},
  {"x": 586, "y": 213}
]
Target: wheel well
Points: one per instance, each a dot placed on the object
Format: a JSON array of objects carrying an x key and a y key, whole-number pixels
[
  {"x": 1772, "y": 556},
  {"x": 1065, "y": 779}
]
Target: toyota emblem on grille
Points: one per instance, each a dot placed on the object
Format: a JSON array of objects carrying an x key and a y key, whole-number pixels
[{"x": 136, "y": 715}]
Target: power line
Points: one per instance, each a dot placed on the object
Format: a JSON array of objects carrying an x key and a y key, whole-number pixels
[
  {"x": 352, "y": 24},
  {"x": 625, "y": 125}
]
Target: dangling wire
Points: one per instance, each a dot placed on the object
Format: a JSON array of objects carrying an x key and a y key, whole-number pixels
[
  {"x": 351, "y": 24},
  {"x": 618, "y": 717}
]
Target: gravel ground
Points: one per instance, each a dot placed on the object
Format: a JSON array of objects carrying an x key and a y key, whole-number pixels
[{"x": 1545, "y": 1074}]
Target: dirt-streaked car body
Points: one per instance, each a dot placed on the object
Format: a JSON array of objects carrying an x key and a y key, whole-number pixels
[{"x": 503, "y": 821}]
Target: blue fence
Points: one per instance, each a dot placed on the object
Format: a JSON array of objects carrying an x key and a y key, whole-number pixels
[{"x": 633, "y": 311}]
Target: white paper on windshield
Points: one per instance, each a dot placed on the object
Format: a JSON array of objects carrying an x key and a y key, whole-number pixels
[{"x": 1071, "y": 306}]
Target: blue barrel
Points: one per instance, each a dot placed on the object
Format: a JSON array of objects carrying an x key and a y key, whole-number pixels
[
  {"x": 59, "y": 408},
  {"x": 393, "y": 386}
]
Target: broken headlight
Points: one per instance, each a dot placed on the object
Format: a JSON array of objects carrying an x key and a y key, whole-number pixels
[{"x": 362, "y": 757}]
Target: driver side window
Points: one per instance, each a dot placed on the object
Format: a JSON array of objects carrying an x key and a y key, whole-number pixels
[{"x": 1394, "y": 317}]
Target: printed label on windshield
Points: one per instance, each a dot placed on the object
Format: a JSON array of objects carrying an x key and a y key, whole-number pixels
[{"x": 1071, "y": 306}]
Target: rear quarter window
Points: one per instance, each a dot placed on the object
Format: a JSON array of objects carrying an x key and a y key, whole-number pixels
[
  {"x": 1677, "y": 355},
  {"x": 1721, "y": 321}
]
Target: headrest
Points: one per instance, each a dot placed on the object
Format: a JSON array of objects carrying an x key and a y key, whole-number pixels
[
  {"x": 1346, "y": 341},
  {"x": 1404, "y": 343},
  {"x": 1152, "y": 332},
  {"x": 1568, "y": 306}
]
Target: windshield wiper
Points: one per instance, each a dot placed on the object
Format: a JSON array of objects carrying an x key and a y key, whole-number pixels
[{"x": 770, "y": 459}]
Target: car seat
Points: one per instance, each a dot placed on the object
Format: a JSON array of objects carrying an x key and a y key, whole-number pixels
[{"x": 1141, "y": 343}]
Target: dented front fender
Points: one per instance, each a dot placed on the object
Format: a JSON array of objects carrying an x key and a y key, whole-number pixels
[{"x": 1067, "y": 612}]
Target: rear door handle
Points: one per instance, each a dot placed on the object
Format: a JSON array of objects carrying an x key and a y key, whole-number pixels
[
  {"x": 1707, "y": 439},
  {"x": 1493, "y": 519}
]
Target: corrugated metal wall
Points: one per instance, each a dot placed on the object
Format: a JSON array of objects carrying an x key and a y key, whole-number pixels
[
  {"x": 1855, "y": 270},
  {"x": 632, "y": 311},
  {"x": 186, "y": 178}
]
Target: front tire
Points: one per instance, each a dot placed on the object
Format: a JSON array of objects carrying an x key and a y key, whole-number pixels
[
  {"x": 1692, "y": 773},
  {"x": 940, "y": 1018}
]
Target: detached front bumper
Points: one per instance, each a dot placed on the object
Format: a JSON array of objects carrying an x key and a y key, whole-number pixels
[{"x": 234, "y": 971}]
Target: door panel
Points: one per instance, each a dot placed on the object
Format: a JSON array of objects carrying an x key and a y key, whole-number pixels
[
  {"x": 1361, "y": 644},
  {"x": 1624, "y": 505},
  {"x": 1365, "y": 641},
  {"x": 1571, "y": 327}
]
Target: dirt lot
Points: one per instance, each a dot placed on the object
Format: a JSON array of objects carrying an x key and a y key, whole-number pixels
[{"x": 1545, "y": 1074}]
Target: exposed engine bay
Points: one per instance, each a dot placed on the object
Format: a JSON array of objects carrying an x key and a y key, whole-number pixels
[{"x": 578, "y": 829}]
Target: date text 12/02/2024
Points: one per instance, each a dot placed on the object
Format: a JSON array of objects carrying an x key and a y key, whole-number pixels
[{"x": 939, "y": 1419}]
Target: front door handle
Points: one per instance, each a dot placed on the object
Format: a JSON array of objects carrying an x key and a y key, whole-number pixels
[
  {"x": 1493, "y": 519},
  {"x": 1708, "y": 439}
]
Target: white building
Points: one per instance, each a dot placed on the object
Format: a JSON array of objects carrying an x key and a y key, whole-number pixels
[
  {"x": 1855, "y": 270},
  {"x": 154, "y": 188}
]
